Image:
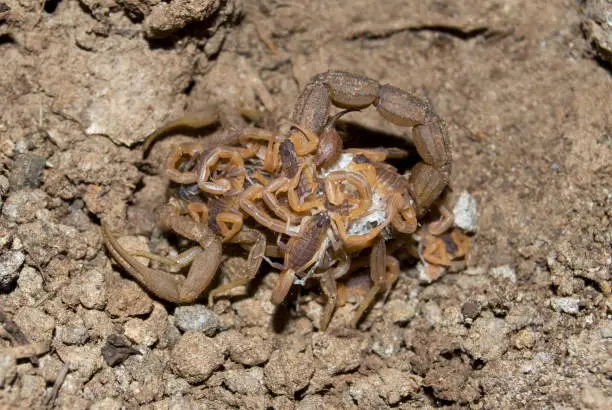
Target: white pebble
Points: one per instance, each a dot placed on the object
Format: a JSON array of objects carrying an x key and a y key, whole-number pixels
[{"x": 466, "y": 212}]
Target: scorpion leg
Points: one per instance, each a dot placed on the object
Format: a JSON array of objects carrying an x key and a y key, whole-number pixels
[
  {"x": 444, "y": 223},
  {"x": 221, "y": 185},
  {"x": 328, "y": 284},
  {"x": 257, "y": 241},
  {"x": 248, "y": 205},
  {"x": 165, "y": 285},
  {"x": 384, "y": 271},
  {"x": 179, "y": 261},
  {"x": 270, "y": 198},
  {"x": 230, "y": 224}
]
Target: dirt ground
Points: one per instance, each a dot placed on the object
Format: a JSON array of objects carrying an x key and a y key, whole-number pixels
[{"x": 525, "y": 89}]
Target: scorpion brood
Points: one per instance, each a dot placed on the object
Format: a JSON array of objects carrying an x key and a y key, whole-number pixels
[{"x": 334, "y": 205}]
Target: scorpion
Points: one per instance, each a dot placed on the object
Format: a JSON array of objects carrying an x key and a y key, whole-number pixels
[{"x": 333, "y": 204}]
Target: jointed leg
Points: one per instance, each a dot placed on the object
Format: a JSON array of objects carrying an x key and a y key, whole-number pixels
[
  {"x": 257, "y": 242},
  {"x": 328, "y": 285},
  {"x": 384, "y": 271}
]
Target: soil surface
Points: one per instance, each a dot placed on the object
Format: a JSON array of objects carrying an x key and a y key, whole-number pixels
[{"x": 525, "y": 89}]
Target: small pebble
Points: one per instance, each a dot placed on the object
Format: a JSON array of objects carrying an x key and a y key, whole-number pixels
[
  {"x": 606, "y": 331},
  {"x": 466, "y": 213},
  {"x": 92, "y": 289},
  {"x": 27, "y": 171},
  {"x": 128, "y": 299},
  {"x": 397, "y": 385},
  {"x": 4, "y": 185},
  {"x": 35, "y": 324},
  {"x": 140, "y": 332},
  {"x": 8, "y": 369},
  {"x": 525, "y": 339},
  {"x": 338, "y": 355},
  {"x": 401, "y": 311},
  {"x": 30, "y": 281},
  {"x": 249, "y": 351},
  {"x": 566, "y": 305},
  {"x": 195, "y": 356},
  {"x": 196, "y": 318},
  {"x": 470, "y": 310},
  {"x": 288, "y": 372},
  {"x": 10, "y": 262},
  {"x": 166, "y": 18},
  {"x": 245, "y": 381},
  {"x": 432, "y": 313},
  {"x": 313, "y": 402},
  {"x": 107, "y": 403},
  {"x": 21, "y": 206},
  {"x": 387, "y": 343},
  {"x": 504, "y": 271}
]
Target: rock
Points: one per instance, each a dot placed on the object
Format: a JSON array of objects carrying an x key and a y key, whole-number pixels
[
  {"x": 8, "y": 369},
  {"x": 606, "y": 331},
  {"x": 600, "y": 37},
  {"x": 288, "y": 372},
  {"x": 49, "y": 367},
  {"x": 4, "y": 186},
  {"x": 44, "y": 239},
  {"x": 398, "y": 385},
  {"x": 365, "y": 392},
  {"x": 117, "y": 350},
  {"x": 107, "y": 403},
  {"x": 312, "y": 402},
  {"x": 249, "y": 351},
  {"x": 566, "y": 305},
  {"x": 147, "y": 374},
  {"x": 10, "y": 262},
  {"x": 196, "y": 356},
  {"x": 245, "y": 381},
  {"x": 253, "y": 312},
  {"x": 525, "y": 339},
  {"x": 466, "y": 213},
  {"x": 26, "y": 171},
  {"x": 196, "y": 318},
  {"x": 470, "y": 311},
  {"x": 338, "y": 355},
  {"x": 91, "y": 289},
  {"x": 139, "y": 332},
  {"x": 487, "y": 339},
  {"x": 450, "y": 380},
  {"x": 128, "y": 299},
  {"x": 84, "y": 360},
  {"x": 150, "y": 331},
  {"x": 387, "y": 341},
  {"x": 99, "y": 323},
  {"x": 35, "y": 324},
  {"x": 30, "y": 282},
  {"x": 594, "y": 398},
  {"x": 505, "y": 272},
  {"x": 32, "y": 389},
  {"x": 400, "y": 311},
  {"x": 21, "y": 206},
  {"x": 72, "y": 332},
  {"x": 166, "y": 18},
  {"x": 432, "y": 313}
]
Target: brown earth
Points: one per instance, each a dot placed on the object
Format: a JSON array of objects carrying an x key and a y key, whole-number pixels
[{"x": 525, "y": 88}]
